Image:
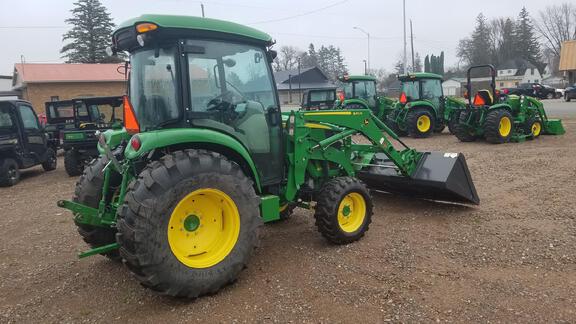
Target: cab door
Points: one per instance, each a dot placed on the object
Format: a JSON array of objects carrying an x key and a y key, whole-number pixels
[{"x": 35, "y": 142}]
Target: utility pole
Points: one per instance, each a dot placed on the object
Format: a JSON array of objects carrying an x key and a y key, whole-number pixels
[
  {"x": 202, "y": 6},
  {"x": 299, "y": 80},
  {"x": 404, "y": 20},
  {"x": 365, "y": 68},
  {"x": 368, "y": 36},
  {"x": 412, "y": 46},
  {"x": 290, "y": 88}
]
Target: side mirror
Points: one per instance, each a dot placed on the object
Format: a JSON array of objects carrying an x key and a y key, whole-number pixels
[{"x": 272, "y": 54}]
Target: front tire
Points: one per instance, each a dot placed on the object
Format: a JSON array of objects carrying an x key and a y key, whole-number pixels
[
  {"x": 343, "y": 210},
  {"x": 533, "y": 128},
  {"x": 454, "y": 119},
  {"x": 89, "y": 192},
  {"x": 72, "y": 163},
  {"x": 51, "y": 162},
  {"x": 9, "y": 172},
  {"x": 499, "y": 126},
  {"x": 462, "y": 131},
  {"x": 420, "y": 123},
  {"x": 189, "y": 223}
]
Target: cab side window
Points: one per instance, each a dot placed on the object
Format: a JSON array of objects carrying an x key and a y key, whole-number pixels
[
  {"x": 28, "y": 117},
  {"x": 431, "y": 89},
  {"x": 5, "y": 118}
]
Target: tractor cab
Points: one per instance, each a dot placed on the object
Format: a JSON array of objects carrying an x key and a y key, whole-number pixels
[
  {"x": 319, "y": 99},
  {"x": 422, "y": 108},
  {"x": 359, "y": 92},
  {"x": 184, "y": 76}
]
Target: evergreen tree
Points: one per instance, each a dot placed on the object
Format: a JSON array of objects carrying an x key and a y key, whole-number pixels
[
  {"x": 441, "y": 64},
  {"x": 417, "y": 63},
  {"x": 90, "y": 34},
  {"x": 526, "y": 44},
  {"x": 427, "y": 64},
  {"x": 506, "y": 47},
  {"x": 480, "y": 42}
]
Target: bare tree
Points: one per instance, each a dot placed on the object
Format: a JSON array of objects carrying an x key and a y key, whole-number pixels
[
  {"x": 557, "y": 24},
  {"x": 287, "y": 58}
]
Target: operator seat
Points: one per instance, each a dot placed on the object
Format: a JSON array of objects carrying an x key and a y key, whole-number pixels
[{"x": 485, "y": 96}]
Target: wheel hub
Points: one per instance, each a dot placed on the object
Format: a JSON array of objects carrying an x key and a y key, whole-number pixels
[
  {"x": 191, "y": 223},
  {"x": 346, "y": 210}
]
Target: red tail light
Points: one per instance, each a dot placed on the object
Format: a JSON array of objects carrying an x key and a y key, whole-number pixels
[
  {"x": 130, "y": 122},
  {"x": 135, "y": 142},
  {"x": 479, "y": 101},
  {"x": 341, "y": 96},
  {"x": 466, "y": 95},
  {"x": 403, "y": 98}
]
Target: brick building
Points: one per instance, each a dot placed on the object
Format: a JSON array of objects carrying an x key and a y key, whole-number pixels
[{"x": 39, "y": 83}]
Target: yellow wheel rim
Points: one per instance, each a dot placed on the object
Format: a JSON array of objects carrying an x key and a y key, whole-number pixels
[
  {"x": 505, "y": 126},
  {"x": 351, "y": 212},
  {"x": 536, "y": 129},
  {"x": 423, "y": 123},
  {"x": 203, "y": 228}
]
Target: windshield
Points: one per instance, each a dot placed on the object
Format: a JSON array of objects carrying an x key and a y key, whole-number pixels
[
  {"x": 223, "y": 75},
  {"x": 411, "y": 89},
  {"x": 153, "y": 87},
  {"x": 318, "y": 96}
]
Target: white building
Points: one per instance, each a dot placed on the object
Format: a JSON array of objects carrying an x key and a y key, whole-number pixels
[
  {"x": 453, "y": 87},
  {"x": 6, "y": 92},
  {"x": 513, "y": 72}
]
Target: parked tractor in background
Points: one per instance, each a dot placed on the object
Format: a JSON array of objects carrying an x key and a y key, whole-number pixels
[
  {"x": 23, "y": 142},
  {"x": 319, "y": 99},
  {"x": 75, "y": 122},
  {"x": 359, "y": 92},
  {"x": 501, "y": 118},
  {"x": 206, "y": 156},
  {"x": 422, "y": 108}
]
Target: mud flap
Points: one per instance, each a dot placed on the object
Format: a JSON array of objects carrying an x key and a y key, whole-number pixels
[{"x": 439, "y": 176}]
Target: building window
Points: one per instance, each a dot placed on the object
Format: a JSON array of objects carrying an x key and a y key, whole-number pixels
[
  {"x": 509, "y": 71},
  {"x": 532, "y": 71},
  {"x": 516, "y": 83},
  {"x": 54, "y": 98},
  {"x": 501, "y": 84},
  {"x": 536, "y": 81}
]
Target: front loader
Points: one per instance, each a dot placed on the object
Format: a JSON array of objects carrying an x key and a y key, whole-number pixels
[
  {"x": 501, "y": 118},
  {"x": 422, "y": 108},
  {"x": 206, "y": 157}
]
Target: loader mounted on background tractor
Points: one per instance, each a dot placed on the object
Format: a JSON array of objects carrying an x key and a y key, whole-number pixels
[
  {"x": 501, "y": 118},
  {"x": 359, "y": 92},
  {"x": 422, "y": 108},
  {"x": 206, "y": 157}
]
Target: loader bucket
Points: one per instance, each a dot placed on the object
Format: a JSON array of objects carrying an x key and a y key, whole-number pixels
[
  {"x": 554, "y": 127},
  {"x": 439, "y": 176}
]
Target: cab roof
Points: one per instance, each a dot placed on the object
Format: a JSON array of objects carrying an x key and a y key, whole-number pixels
[
  {"x": 358, "y": 78},
  {"x": 418, "y": 76},
  {"x": 199, "y": 23}
]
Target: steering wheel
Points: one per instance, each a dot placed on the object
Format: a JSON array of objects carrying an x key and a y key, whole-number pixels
[{"x": 218, "y": 103}]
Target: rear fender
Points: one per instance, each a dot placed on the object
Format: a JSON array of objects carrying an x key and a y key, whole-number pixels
[
  {"x": 501, "y": 106},
  {"x": 423, "y": 104},
  {"x": 194, "y": 137},
  {"x": 360, "y": 102}
]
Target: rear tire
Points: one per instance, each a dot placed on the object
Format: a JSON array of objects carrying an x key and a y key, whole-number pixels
[
  {"x": 420, "y": 123},
  {"x": 72, "y": 163},
  {"x": 9, "y": 172},
  {"x": 51, "y": 162},
  {"x": 566, "y": 97},
  {"x": 461, "y": 130},
  {"x": 454, "y": 119},
  {"x": 550, "y": 96},
  {"x": 200, "y": 257},
  {"x": 343, "y": 210},
  {"x": 499, "y": 126},
  {"x": 89, "y": 192}
]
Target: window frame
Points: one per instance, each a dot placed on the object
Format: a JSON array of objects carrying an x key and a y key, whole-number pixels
[{"x": 21, "y": 108}]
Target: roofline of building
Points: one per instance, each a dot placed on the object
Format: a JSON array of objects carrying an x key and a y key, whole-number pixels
[{"x": 69, "y": 81}]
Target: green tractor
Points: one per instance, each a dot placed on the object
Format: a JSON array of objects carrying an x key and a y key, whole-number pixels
[
  {"x": 422, "y": 108},
  {"x": 502, "y": 118},
  {"x": 206, "y": 157},
  {"x": 359, "y": 92}
]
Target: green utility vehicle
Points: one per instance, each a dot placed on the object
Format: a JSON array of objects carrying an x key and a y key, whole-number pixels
[
  {"x": 319, "y": 99},
  {"x": 360, "y": 93},
  {"x": 23, "y": 142},
  {"x": 501, "y": 118},
  {"x": 206, "y": 157},
  {"x": 76, "y": 122},
  {"x": 422, "y": 108}
]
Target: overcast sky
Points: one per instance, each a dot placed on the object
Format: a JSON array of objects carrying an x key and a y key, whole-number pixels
[{"x": 34, "y": 28}]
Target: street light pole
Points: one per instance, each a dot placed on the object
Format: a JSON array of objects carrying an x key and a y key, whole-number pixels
[
  {"x": 404, "y": 20},
  {"x": 365, "y": 68},
  {"x": 368, "y": 37}
]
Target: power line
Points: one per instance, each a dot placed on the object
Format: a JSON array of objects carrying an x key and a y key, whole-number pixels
[
  {"x": 33, "y": 27},
  {"x": 301, "y": 14}
]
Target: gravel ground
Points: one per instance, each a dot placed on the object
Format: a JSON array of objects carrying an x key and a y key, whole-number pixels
[{"x": 511, "y": 259}]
